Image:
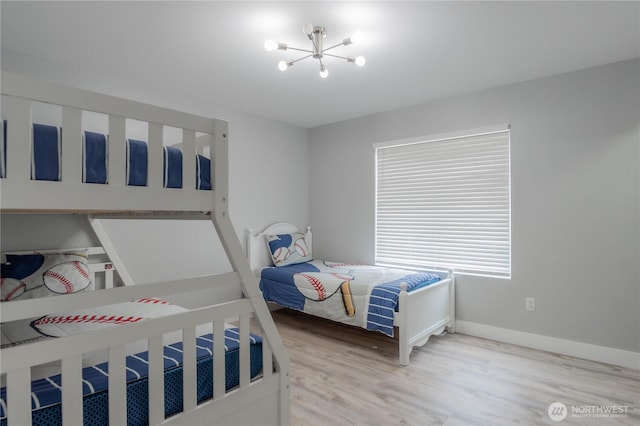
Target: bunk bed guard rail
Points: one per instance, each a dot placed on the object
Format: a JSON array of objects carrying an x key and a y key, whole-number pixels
[{"x": 21, "y": 193}]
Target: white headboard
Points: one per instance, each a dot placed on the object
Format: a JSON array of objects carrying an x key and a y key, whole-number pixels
[{"x": 257, "y": 251}]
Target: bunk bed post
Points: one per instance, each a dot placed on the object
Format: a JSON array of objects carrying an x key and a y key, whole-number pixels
[{"x": 240, "y": 264}]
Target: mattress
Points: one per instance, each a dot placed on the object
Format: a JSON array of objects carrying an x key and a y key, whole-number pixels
[
  {"x": 46, "y": 380},
  {"x": 361, "y": 295},
  {"x": 46, "y": 392}
]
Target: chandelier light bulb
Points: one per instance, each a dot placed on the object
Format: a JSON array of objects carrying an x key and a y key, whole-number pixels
[
  {"x": 357, "y": 37},
  {"x": 307, "y": 28},
  {"x": 282, "y": 65},
  {"x": 360, "y": 61},
  {"x": 270, "y": 45},
  {"x": 324, "y": 73}
]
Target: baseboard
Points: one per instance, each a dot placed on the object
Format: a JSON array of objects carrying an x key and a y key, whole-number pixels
[{"x": 604, "y": 354}]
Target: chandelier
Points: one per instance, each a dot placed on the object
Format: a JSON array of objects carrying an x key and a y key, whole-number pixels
[{"x": 316, "y": 35}]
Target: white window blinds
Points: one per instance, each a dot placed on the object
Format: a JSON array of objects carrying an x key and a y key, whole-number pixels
[{"x": 445, "y": 203}]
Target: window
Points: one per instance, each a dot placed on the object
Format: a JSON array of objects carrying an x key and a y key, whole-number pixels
[{"x": 444, "y": 202}]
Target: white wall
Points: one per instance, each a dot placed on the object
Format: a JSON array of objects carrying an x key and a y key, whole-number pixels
[
  {"x": 268, "y": 181},
  {"x": 575, "y": 200}
]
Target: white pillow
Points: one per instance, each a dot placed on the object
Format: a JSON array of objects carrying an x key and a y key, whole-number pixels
[{"x": 84, "y": 320}]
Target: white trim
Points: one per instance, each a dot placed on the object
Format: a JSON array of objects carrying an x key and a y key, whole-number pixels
[
  {"x": 443, "y": 136},
  {"x": 587, "y": 351}
]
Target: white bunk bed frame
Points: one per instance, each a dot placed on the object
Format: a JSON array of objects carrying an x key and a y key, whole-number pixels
[
  {"x": 422, "y": 313},
  {"x": 265, "y": 400}
]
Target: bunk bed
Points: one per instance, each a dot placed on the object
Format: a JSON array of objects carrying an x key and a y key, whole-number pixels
[
  {"x": 68, "y": 169},
  {"x": 419, "y": 304}
]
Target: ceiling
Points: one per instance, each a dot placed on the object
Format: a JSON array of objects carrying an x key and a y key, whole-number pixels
[{"x": 416, "y": 51}]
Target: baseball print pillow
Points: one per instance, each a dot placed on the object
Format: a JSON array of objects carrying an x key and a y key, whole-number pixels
[
  {"x": 40, "y": 275},
  {"x": 288, "y": 249}
]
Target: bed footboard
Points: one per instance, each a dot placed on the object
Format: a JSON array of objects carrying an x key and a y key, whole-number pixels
[{"x": 424, "y": 312}]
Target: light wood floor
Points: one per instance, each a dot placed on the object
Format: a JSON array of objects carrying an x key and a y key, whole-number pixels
[{"x": 342, "y": 375}]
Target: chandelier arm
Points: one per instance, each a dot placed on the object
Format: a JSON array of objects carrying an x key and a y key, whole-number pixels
[
  {"x": 300, "y": 50},
  {"x": 333, "y": 47},
  {"x": 340, "y": 57},
  {"x": 299, "y": 59},
  {"x": 315, "y": 46}
]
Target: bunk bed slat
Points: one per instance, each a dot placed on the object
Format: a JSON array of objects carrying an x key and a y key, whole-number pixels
[
  {"x": 117, "y": 386},
  {"x": 72, "y": 390},
  {"x": 117, "y": 150},
  {"x": 155, "y": 155},
  {"x": 219, "y": 378},
  {"x": 19, "y": 397},
  {"x": 189, "y": 156},
  {"x": 18, "y": 116},
  {"x": 156, "y": 380},
  {"x": 189, "y": 368},
  {"x": 267, "y": 359},
  {"x": 108, "y": 279},
  {"x": 245, "y": 361},
  {"x": 71, "y": 145}
]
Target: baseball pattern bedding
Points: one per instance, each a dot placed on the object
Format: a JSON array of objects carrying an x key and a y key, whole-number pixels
[{"x": 361, "y": 295}]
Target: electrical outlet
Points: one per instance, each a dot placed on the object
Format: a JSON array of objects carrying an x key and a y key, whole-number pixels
[{"x": 530, "y": 304}]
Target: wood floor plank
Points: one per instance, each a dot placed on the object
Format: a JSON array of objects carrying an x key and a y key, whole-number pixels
[{"x": 343, "y": 375}]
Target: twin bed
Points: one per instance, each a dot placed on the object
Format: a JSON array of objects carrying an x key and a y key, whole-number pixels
[
  {"x": 418, "y": 304},
  {"x": 81, "y": 344}
]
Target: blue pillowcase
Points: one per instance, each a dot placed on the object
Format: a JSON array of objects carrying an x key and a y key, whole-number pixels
[
  {"x": 172, "y": 163},
  {"x": 46, "y": 152},
  {"x": 95, "y": 158},
  {"x": 203, "y": 172},
  {"x": 137, "y": 163}
]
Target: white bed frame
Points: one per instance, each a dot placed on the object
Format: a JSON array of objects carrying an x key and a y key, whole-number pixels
[
  {"x": 422, "y": 313},
  {"x": 265, "y": 400}
]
